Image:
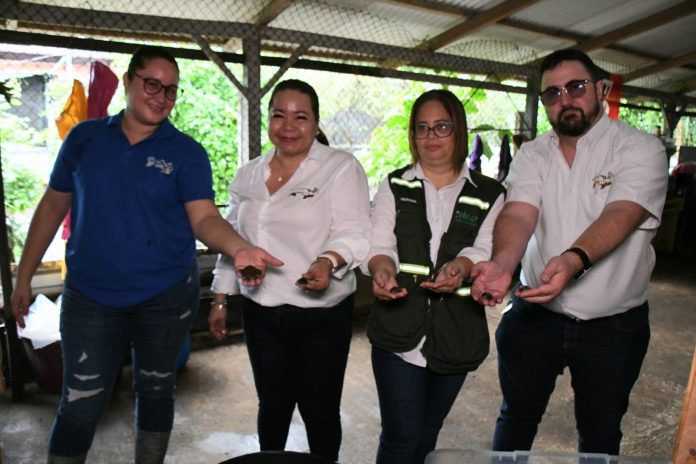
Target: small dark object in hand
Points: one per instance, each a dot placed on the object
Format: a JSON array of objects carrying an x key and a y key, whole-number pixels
[
  {"x": 486, "y": 296},
  {"x": 302, "y": 281},
  {"x": 522, "y": 288},
  {"x": 395, "y": 289},
  {"x": 251, "y": 273}
]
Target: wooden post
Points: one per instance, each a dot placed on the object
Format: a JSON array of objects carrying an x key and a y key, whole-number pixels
[{"x": 685, "y": 445}]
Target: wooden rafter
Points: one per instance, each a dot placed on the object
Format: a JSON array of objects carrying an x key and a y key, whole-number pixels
[
  {"x": 437, "y": 7},
  {"x": 661, "y": 66},
  {"x": 475, "y": 23},
  {"x": 272, "y": 10},
  {"x": 637, "y": 27}
]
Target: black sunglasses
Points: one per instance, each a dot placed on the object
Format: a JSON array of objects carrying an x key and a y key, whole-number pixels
[
  {"x": 574, "y": 89},
  {"x": 153, "y": 87}
]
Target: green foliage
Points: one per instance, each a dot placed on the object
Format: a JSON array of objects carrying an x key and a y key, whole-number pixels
[
  {"x": 388, "y": 149},
  {"x": 543, "y": 124},
  {"x": 207, "y": 111},
  {"x": 15, "y": 129},
  {"x": 23, "y": 189},
  {"x": 644, "y": 120}
]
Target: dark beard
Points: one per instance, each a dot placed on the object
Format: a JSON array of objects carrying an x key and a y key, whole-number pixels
[{"x": 576, "y": 124}]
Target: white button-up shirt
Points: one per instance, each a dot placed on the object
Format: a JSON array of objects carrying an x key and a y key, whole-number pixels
[
  {"x": 439, "y": 208},
  {"x": 324, "y": 206},
  {"x": 613, "y": 162}
]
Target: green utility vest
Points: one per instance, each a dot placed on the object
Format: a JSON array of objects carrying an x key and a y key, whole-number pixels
[{"x": 455, "y": 325}]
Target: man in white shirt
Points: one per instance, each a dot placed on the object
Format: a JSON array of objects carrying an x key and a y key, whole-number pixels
[{"x": 584, "y": 201}]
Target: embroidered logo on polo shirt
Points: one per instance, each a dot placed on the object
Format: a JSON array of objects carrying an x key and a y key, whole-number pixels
[
  {"x": 602, "y": 181},
  {"x": 304, "y": 192},
  {"x": 162, "y": 165}
]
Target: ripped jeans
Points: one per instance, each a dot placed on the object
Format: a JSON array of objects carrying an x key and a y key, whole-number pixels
[{"x": 94, "y": 342}]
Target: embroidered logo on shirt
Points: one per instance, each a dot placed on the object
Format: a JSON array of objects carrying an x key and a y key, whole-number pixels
[
  {"x": 304, "y": 192},
  {"x": 602, "y": 181},
  {"x": 162, "y": 165}
]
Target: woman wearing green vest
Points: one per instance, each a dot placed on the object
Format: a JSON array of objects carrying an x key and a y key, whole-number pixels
[{"x": 432, "y": 220}]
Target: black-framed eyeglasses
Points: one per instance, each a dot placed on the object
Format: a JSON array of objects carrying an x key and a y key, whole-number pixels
[
  {"x": 441, "y": 130},
  {"x": 153, "y": 87},
  {"x": 575, "y": 89}
]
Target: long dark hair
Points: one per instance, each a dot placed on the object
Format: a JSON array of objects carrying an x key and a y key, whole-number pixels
[
  {"x": 146, "y": 53},
  {"x": 455, "y": 110},
  {"x": 304, "y": 88}
]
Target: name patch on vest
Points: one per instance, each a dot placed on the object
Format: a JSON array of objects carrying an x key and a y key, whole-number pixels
[
  {"x": 466, "y": 218},
  {"x": 408, "y": 200}
]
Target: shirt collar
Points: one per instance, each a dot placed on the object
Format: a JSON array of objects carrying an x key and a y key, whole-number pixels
[
  {"x": 417, "y": 172},
  {"x": 164, "y": 131},
  {"x": 316, "y": 153}
]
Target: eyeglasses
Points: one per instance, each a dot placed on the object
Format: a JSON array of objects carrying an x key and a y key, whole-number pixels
[
  {"x": 441, "y": 130},
  {"x": 574, "y": 89},
  {"x": 153, "y": 87}
]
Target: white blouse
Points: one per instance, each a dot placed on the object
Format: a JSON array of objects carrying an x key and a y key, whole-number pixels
[{"x": 324, "y": 206}]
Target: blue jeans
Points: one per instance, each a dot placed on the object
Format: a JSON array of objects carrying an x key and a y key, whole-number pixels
[
  {"x": 299, "y": 357},
  {"x": 94, "y": 342},
  {"x": 604, "y": 357},
  {"x": 413, "y": 403}
]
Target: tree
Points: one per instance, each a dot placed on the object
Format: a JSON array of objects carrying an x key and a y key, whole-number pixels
[{"x": 207, "y": 111}]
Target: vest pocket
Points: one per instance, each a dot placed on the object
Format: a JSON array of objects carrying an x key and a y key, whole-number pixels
[{"x": 458, "y": 338}]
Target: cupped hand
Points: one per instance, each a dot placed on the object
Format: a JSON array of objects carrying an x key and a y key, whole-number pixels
[
  {"x": 385, "y": 287},
  {"x": 491, "y": 283},
  {"x": 250, "y": 265}
]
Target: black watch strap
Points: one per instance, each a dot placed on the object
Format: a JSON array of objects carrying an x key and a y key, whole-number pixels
[{"x": 586, "y": 263}]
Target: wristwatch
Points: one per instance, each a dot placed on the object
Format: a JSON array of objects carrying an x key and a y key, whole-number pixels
[{"x": 586, "y": 263}]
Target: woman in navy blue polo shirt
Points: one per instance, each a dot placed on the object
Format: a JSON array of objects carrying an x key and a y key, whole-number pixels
[{"x": 139, "y": 192}]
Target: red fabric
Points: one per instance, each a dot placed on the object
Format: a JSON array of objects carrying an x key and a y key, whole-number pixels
[
  {"x": 65, "y": 233},
  {"x": 102, "y": 86},
  {"x": 614, "y": 97}
]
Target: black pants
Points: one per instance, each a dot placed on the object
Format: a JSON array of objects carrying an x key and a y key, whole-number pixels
[
  {"x": 603, "y": 355},
  {"x": 299, "y": 357}
]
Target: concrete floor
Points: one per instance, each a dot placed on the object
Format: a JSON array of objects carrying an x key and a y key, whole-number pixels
[{"x": 216, "y": 401}]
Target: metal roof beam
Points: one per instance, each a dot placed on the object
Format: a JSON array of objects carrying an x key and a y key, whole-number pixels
[
  {"x": 272, "y": 10},
  {"x": 637, "y": 27},
  {"x": 476, "y": 22},
  {"x": 27, "y": 38},
  {"x": 661, "y": 66},
  {"x": 137, "y": 23},
  {"x": 563, "y": 34}
]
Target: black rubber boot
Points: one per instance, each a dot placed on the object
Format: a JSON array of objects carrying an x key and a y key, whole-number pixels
[{"x": 151, "y": 447}]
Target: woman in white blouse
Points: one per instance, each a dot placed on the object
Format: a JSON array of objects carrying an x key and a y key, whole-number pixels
[{"x": 308, "y": 205}]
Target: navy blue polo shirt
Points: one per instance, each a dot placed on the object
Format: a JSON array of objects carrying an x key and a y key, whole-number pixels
[{"x": 130, "y": 236}]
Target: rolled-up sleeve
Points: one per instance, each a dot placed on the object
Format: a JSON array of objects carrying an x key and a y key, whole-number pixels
[
  {"x": 383, "y": 220},
  {"x": 350, "y": 220},
  {"x": 483, "y": 244}
]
